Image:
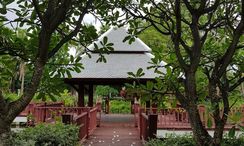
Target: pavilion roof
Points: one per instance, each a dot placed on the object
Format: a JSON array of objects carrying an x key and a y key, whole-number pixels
[{"x": 125, "y": 58}]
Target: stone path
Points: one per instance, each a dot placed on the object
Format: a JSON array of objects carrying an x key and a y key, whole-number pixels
[{"x": 115, "y": 130}]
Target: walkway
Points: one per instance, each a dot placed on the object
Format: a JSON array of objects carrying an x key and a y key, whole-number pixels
[{"x": 117, "y": 130}]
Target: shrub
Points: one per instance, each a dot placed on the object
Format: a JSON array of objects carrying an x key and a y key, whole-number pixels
[
  {"x": 187, "y": 140},
  {"x": 47, "y": 135},
  {"x": 120, "y": 106}
]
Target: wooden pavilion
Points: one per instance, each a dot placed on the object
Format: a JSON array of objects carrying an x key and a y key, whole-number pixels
[{"x": 123, "y": 59}]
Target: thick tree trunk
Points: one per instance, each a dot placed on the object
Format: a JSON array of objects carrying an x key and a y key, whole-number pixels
[
  {"x": 4, "y": 133},
  {"x": 199, "y": 132}
]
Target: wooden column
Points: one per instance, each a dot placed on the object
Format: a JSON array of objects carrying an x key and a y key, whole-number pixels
[
  {"x": 90, "y": 96},
  {"x": 81, "y": 96}
]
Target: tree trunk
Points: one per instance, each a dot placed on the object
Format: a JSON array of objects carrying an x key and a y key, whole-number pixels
[
  {"x": 199, "y": 132},
  {"x": 218, "y": 133},
  {"x": 4, "y": 133},
  {"x": 219, "y": 120}
]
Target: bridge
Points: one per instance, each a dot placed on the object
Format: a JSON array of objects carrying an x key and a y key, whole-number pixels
[{"x": 105, "y": 129}]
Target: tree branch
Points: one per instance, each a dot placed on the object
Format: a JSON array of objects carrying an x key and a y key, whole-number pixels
[
  {"x": 73, "y": 33},
  {"x": 231, "y": 88},
  {"x": 38, "y": 12},
  {"x": 212, "y": 8},
  {"x": 178, "y": 36},
  {"x": 227, "y": 57},
  {"x": 189, "y": 7},
  {"x": 59, "y": 15}
]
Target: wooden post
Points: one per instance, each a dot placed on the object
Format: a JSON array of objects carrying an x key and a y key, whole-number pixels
[
  {"x": 152, "y": 125},
  {"x": 81, "y": 96},
  {"x": 88, "y": 123},
  {"x": 148, "y": 105},
  {"x": 90, "y": 96},
  {"x": 132, "y": 106},
  {"x": 67, "y": 118},
  {"x": 140, "y": 125}
]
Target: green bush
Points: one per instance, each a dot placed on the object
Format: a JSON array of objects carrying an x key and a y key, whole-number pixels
[
  {"x": 47, "y": 135},
  {"x": 120, "y": 106},
  {"x": 235, "y": 141},
  {"x": 173, "y": 140},
  {"x": 187, "y": 140}
]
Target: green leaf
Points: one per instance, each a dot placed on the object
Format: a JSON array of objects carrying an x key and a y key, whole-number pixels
[
  {"x": 126, "y": 38},
  {"x": 150, "y": 85},
  {"x": 78, "y": 59},
  {"x": 209, "y": 123},
  {"x": 131, "y": 74},
  {"x": 232, "y": 131},
  {"x": 105, "y": 40},
  {"x": 131, "y": 40},
  {"x": 3, "y": 11},
  {"x": 71, "y": 58},
  {"x": 68, "y": 74},
  {"x": 139, "y": 72},
  {"x": 95, "y": 46}
]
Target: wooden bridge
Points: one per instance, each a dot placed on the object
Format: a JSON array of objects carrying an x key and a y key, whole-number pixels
[{"x": 143, "y": 124}]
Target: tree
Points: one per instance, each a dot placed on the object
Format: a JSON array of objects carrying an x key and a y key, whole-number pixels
[
  {"x": 206, "y": 37},
  {"x": 106, "y": 91},
  {"x": 51, "y": 25}
]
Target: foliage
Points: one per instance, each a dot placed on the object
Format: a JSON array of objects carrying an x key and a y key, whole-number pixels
[
  {"x": 173, "y": 140},
  {"x": 187, "y": 140},
  {"x": 47, "y": 135},
  {"x": 11, "y": 97},
  {"x": 106, "y": 91},
  {"x": 120, "y": 106},
  {"x": 68, "y": 99}
]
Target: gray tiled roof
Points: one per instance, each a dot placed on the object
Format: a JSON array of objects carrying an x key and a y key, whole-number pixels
[
  {"x": 116, "y": 36},
  {"x": 118, "y": 64}
]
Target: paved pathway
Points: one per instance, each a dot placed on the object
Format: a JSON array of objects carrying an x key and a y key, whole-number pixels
[{"x": 115, "y": 130}]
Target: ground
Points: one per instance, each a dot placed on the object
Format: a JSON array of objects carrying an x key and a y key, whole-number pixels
[{"x": 117, "y": 130}]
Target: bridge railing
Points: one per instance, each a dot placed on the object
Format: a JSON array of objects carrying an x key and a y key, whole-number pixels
[
  {"x": 92, "y": 119},
  {"x": 83, "y": 122},
  {"x": 31, "y": 106},
  {"x": 178, "y": 118},
  {"x": 87, "y": 118},
  {"x": 52, "y": 114}
]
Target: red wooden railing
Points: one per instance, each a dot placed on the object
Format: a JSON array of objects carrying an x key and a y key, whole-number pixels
[
  {"x": 30, "y": 107},
  {"x": 146, "y": 122},
  {"x": 82, "y": 121},
  {"x": 173, "y": 118},
  {"x": 143, "y": 126},
  {"x": 92, "y": 119},
  {"x": 84, "y": 117},
  {"x": 178, "y": 118}
]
